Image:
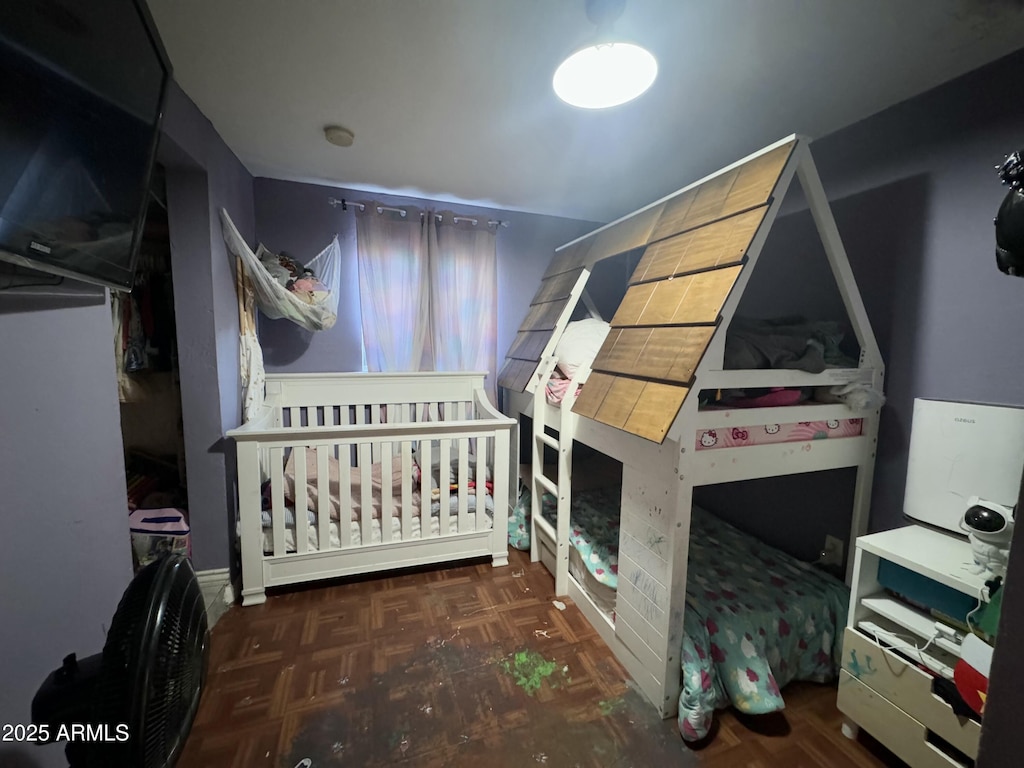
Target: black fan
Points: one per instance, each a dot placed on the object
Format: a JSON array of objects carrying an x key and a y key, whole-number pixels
[{"x": 132, "y": 705}]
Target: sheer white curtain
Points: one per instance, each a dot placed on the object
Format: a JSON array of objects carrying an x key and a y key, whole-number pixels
[
  {"x": 394, "y": 288},
  {"x": 463, "y": 296},
  {"x": 428, "y": 292}
]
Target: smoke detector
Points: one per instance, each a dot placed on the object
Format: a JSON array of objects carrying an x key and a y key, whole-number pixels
[{"x": 340, "y": 137}]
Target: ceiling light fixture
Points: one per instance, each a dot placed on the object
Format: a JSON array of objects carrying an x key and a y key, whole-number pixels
[
  {"x": 341, "y": 137},
  {"x": 607, "y": 72}
]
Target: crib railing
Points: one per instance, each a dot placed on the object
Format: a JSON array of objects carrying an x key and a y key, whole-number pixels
[{"x": 354, "y": 423}]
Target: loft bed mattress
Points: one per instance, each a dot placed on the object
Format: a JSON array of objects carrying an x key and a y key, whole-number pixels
[
  {"x": 766, "y": 434},
  {"x": 756, "y": 618},
  {"x": 749, "y": 434}
]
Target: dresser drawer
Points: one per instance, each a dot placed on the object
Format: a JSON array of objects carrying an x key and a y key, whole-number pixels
[
  {"x": 909, "y": 688},
  {"x": 902, "y": 734}
]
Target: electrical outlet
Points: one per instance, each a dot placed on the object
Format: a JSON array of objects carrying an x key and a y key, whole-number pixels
[{"x": 832, "y": 554}]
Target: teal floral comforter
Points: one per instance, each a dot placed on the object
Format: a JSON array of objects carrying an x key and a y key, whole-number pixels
[
  {"x": 593, "y": 528},
  {"x": 755, "y": 619}
]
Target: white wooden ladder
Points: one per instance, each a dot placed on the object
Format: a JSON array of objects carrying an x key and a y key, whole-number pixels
[{"x": 561, "y": 485}]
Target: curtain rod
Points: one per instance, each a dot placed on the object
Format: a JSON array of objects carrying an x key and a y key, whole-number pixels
[{"x": 335, "y": 202}]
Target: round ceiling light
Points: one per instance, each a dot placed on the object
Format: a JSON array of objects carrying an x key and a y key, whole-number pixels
[
  {"x": 605, "y": 75},
  {"x": 340, "y": 137}
]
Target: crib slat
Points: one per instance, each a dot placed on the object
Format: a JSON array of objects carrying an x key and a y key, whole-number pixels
[
  {"x": 427, "y": 486},
  {"x": 481, "y": 484},
  {"x": 387, "y": 466},
  {"x": 407, "y": 512},
  {"x": 345, "y": 495},
  {"x": 277, "y": 499},
  {"x": 366, "y": 501},
  {"x": 393, "y": 414},
  {"x": 301, "y": 504},
  {"x": 323, "y": 499},
  {"x": 445, "y": 466},
  {"x": 295, "y": 416},
  {"x": 464, "y": 490},
  {"x": 375, "y": 448}
]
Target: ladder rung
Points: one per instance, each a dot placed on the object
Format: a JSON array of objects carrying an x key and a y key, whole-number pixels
[
  {"x": 546, "y": 527},
  {"x": 546, "y": 484},
  {"x": 548, "y": 440}
]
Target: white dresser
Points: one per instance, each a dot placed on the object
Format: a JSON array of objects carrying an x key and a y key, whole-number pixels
[{"x": 880, "y": 691}]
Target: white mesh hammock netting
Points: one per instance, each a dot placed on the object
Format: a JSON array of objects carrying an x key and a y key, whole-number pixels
[{"x": 313, "y": 310}]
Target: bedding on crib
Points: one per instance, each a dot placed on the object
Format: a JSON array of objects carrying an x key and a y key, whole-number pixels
[{"x": 381, "y": 473}]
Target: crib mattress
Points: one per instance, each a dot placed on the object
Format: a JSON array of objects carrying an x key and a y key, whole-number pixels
[
  {"x": 755, "y": 620},
  {"x": 765, "y": 434}
]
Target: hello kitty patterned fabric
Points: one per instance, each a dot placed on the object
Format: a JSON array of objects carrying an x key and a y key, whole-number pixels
[
  {"x": 763, "y": 434},
  {"x": 755, "y": 619}
]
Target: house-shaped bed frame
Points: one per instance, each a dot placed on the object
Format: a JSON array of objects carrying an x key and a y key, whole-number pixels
[{"x": 640, "y": 406}]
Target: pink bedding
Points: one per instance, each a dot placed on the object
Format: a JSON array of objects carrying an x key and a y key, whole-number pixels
[{"x": 764, "y": 434}]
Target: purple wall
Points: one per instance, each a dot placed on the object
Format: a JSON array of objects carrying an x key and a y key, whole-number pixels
[
  {"x": 203, "y": 176},
  {"x": 64, "y": 553},
  {"x": 296, "y": 218},
  {"x": 65, "y": 556}
]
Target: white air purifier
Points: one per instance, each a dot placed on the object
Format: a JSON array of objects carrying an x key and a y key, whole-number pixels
[{"x": 959, "y": 451}]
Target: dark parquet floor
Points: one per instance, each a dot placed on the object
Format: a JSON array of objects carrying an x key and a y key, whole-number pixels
[{"x": 462, "y": 666}]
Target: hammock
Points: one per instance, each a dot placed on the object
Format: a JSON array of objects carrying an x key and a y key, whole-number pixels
[{"x": 315, "y": 309}]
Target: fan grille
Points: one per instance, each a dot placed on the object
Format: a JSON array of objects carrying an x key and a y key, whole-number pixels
[{"x": 154, "y": 667}]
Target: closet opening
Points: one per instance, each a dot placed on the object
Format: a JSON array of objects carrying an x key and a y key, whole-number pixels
[{"x": 149, "y": 392}]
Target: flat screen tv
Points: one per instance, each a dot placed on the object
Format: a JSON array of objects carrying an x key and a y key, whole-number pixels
[{"x": 82, "y": 88}]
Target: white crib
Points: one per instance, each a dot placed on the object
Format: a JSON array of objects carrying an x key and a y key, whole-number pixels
[{"x": 386, "y": 467}]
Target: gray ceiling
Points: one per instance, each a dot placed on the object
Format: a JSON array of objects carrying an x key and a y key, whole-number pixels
[{"x": 452, "y": 100}]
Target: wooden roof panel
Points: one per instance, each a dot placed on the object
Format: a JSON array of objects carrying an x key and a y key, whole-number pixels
[
  {"x": 570, "y": 257},
  {"x": 593, "y": 394},
  {"x": 544, "y": 317},
  {"x": 621, "y": 350},
  {"x": 619, "y": 402},
  {"x": 672, "y": 354},
  {"x": 625, "y": 235},
  {"x": 515, "y": 374},
  {"x": 757, "y": 179},
  {"x": 720, "y": 244},
  {"x": 705, "y": 295},
  {"x": 557, "y": 287},
  {"x": 655, "y": 410},
  {"x": 529, "y": 345},
  {"x": 633, "y": 305},
  {"x": 689, "y": 345},
  {"x": 744, "y": 187}
]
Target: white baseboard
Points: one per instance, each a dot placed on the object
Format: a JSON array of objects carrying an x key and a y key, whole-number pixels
[
  {"x": 214, "y": 581},
  {"x": 215, "y": 584}
]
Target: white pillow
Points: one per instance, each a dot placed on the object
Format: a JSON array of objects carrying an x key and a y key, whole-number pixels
[{"x": 580, "y": 344}]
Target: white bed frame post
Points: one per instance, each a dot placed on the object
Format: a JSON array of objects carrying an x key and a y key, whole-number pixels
[
  {"x": 501, "y": 493},
  {"x": 870, "y": 357},
  {"x": 250, "y": 529}
]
